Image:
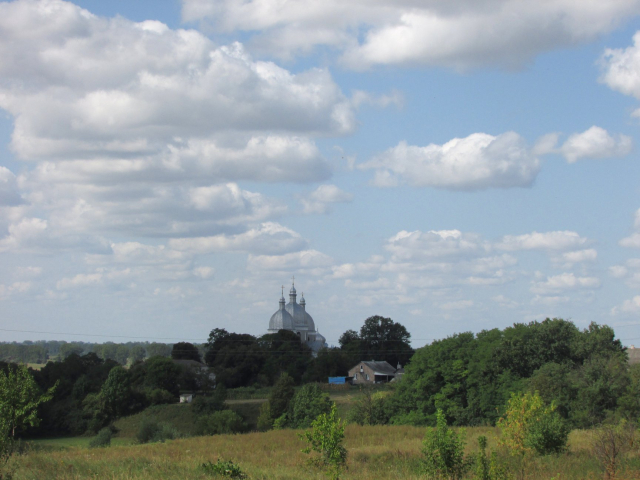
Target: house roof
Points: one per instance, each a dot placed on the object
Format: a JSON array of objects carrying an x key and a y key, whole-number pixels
[{"x": 379, "y": 368}]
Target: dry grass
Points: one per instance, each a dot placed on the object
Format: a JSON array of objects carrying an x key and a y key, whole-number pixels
[{"x": 380, "y": 452}]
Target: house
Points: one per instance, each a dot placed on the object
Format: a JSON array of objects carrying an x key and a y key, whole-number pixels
[
  {"x": 186, "y": 398},
  {"x": 373, "y": 372},
  {"x": 634, "y": 354}
]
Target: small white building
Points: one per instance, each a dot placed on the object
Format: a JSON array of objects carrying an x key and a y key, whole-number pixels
[{"x": 186, "y": 398}]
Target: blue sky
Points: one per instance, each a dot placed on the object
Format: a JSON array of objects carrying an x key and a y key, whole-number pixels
[{"x": 166, "y": 166}]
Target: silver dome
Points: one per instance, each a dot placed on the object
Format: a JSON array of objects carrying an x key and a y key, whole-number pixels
[{"x": 281, "y": 320}]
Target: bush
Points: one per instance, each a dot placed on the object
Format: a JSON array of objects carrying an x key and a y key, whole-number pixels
[
  {"x": 548, "y": 435},
  {"x": 222, "y": 422},
  {"x": 158, "y": 396},
  {"x": 610, "y": 445},
  {"x": 443, "y": 451},
  {"x": 307, "y": 404},
  {"x": 326, "y": 438},
  {"x": 102, "y": 439},
  {"x": 152, "y": 431},
  {"x": 370, "y": 409},
  {"x": 224, "y": 469},
  {"x": 265, "y": 422},
  {"x": 206, "y": 405}
]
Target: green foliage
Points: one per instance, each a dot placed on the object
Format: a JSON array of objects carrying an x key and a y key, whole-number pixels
[
  {"x": 158, "y": 396},
  {"x": 185, "y": 351},
  {"x": 330, "y": 362},
  {"x": 610, "y": 445},
  {"x": 116, "y": 393},
  {"x": 443, "y": 451},
  {"x": 151, "y": 431},
  {"x": 158, "y": 372},
  {"x": 529, "y": 426},
  {"x": 19, "y": 400},
  {"x": 471, "y": 377},
  {"x": 284, "y": 352},
  {"x": 281, "y": 395},
  {"x": 102, "y": 439},
  {"x": 224, "y": 469},
  {"x": 325, "y": 438},
  {"x": 236, "y": 359},
  {"x": 265, "y": 422},
  {"x": 369, "y": 409},
  {"x": 488, "y": 467},
  {"x": 206, "y": 405},
  {"x": 222, "y": 422},
  {"x": 307, "y": 404}
]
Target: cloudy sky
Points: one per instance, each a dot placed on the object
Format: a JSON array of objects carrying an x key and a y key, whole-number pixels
[{"x": 456, "y": 165}]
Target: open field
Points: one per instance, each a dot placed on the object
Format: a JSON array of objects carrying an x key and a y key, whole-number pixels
[{"x": 381, "y": 452}]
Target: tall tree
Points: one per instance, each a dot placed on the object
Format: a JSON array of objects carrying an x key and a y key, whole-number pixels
[
  {"x": 383, "y": 339},
  {"x": 185, "y": 351},
  {"x": 236, "y": 359}
]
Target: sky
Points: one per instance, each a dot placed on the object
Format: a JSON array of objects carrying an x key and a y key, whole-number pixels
[{"x": 455, "y": 165}]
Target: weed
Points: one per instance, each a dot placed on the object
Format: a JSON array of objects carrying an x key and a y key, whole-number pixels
[{"x": 224, "y": 469}]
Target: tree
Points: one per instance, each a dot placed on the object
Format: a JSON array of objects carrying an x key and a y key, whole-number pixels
[
  {"x": 307, "y": 404},
  {"x": 185, "y": 351},
  {"x": 383, "y": 339},
  {"x": 284, "y": 353},
  {"x": 443, "y": 451},
  {"x": 19, "y": 400},
  {"x": 281, "y": 394},
  {"x": 235, "y": 358},
  {"x": 325, "y": 438},
  {"x": 116, "y": 393}
]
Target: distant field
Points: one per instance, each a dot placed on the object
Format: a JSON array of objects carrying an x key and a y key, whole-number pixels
[{"x": 382, "y": 452}]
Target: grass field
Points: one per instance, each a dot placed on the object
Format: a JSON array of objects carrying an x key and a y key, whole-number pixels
[{"x": 381, "y": 452}]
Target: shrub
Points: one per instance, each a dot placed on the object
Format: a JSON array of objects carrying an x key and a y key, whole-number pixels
[
  {"x": 265, "y": 422},
  {"x": 102, "y": 439},
  {"x": 488, "y": 467},
  {"x": 548, "y": 434},
  {"x": 158, "y": 396},
  {"x": 326, "y": 439},
  {"x": 281, "y": 395},
  {"x": 443, "y": 451},
  {"x": 224, "y": 469},
  {"x": 369, "y": 409},
  {"x": 610, "y": 444},
  {"x": 222, "y": 422},
  {"x": 152, "y": 431},
  {"x": 530, "y": 426},
  {"x": 309, "y": 402},
  {"x": 206, "y": 405}
]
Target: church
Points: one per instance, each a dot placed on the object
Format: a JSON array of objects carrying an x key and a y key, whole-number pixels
[{"x": 294, "y": 317}]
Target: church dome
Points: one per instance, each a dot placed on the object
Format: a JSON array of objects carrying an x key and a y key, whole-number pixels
[{"x": 281, "y": 320}]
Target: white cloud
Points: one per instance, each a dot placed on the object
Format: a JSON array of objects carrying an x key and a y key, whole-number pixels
[
  {"x": 453, "y": 33},
  {"x": 564, "y": 282},
  {"x": 79, "y": 280},
  {"x": 628, "y": 306},
  {"x": 622, "y": 69},
  {"x": 553, "y": 241},
  {"x": 477, "y": 162},
  {"x": 269, "y": 238},
  {"x": 9, "y": 195},
  {"x": 595, "y": 143},
  {"x": 411, "y": 246},
  {"x": 457, "y": 305},
  {"x": 568, "y": 259},
  {"x": 632, "y": 241},
  {"x": 7, "y": 291},
  {"x": 203, "y": 272},
  {"x": 312, "y": 262},
  {"x": 321, "y": 199}
]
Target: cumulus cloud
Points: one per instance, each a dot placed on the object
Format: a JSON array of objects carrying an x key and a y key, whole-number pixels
[
  {"x": 9, "y": 195},
  {"x": 559, "y": 240},
  {"x": 7, "y": 291},
  {"x": 75, "y": 92},
  {"x": 452, "y": 34},
  {"x": 621, "y": 69},
  {"x": 321, "y": 199},
  {"x": 595, "y": 143},
  {"x": 268, "y": 239},
  {"x": 411, "y": 246},
  {"x": 628, "y": 306},
  {"x": 564, "y": 282},
  {"x": 477, "y": 162},
  {"x": 312, "y": 262}
]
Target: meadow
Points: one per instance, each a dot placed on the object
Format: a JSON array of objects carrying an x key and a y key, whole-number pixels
[{"x": 374, "y": 452}]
